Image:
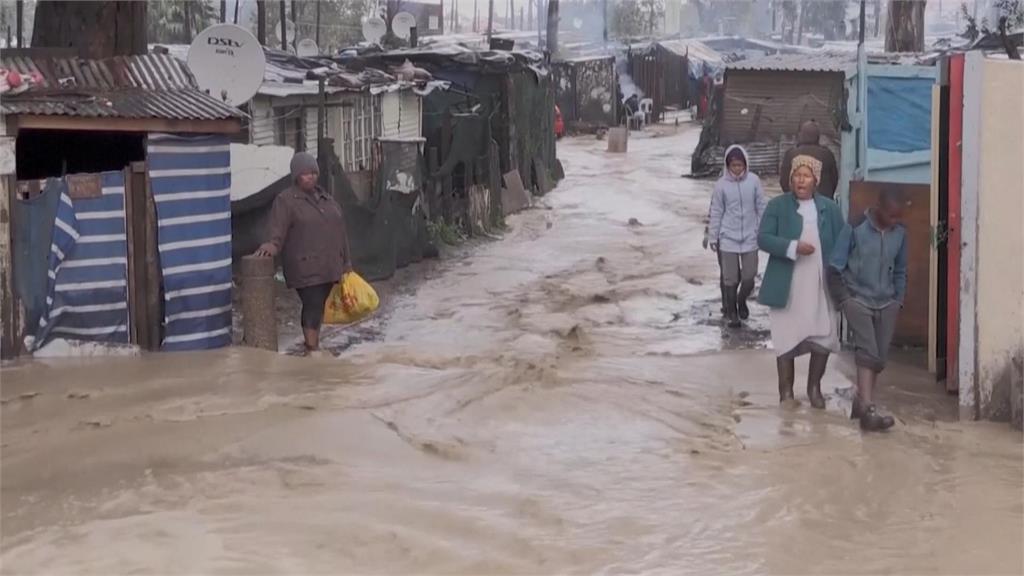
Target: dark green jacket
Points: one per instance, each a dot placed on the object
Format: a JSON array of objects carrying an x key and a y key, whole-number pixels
[{"x": 781, "y": 225}]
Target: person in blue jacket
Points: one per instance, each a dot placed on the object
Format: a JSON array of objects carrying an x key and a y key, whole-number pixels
[
  {"x": 737, "y": 205},
  {"x": 868, "y": 280}
]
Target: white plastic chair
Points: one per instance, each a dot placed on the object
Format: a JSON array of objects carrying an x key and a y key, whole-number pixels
[{"x": 646, "y": 111}]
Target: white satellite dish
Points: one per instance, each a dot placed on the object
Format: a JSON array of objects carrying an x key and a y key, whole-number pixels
[
  {"x": 374, "y": 29},
  {"x": 402, "y": 25},
  {"x": 228, "y": 63},
  {"x": 289, "y": 28},
  {"x": 307, "y": 48}
]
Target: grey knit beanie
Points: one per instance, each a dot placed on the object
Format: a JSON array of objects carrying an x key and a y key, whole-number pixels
[{"x": 303, "y": 163}]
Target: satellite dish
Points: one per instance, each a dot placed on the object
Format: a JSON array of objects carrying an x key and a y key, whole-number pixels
[
  {"x": 307, "y": 48},
  {"x": 374, "y": 29},
  {"x": 228, "y": 63},
  {"x": 289, "y": 28},
  {"x": 402, "y": 25}
]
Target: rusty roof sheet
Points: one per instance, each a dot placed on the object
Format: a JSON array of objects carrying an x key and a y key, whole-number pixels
[
  {"x": 821, "y": 62},
  {"x": 139, "y": 87}
]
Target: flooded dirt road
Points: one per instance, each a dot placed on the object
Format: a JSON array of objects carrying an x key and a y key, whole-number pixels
[{"x": 562, "y": 401}]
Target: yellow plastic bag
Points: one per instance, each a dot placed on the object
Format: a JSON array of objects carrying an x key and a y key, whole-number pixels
[{"x": 350, "y": 301}]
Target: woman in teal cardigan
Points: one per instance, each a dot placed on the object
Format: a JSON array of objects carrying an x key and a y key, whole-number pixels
[{"x": 798, "y": 232}]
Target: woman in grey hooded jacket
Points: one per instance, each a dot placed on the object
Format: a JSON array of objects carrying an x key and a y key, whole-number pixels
[{"x": 737, "y": 204}]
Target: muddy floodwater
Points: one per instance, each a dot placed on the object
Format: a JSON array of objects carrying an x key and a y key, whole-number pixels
[{"x": 564, "y": 400}]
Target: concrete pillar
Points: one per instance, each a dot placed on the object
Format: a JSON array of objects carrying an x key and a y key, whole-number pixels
[
  {"x": 618, "y": 139},
  {"x": 259, "y": 317}
]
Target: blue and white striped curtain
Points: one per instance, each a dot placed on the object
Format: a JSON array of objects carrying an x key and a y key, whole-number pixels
[
  {"x": 191, "y": 182},
  {"x": 87, "y": 288}
]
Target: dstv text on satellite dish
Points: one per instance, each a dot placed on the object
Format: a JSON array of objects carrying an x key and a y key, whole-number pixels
[{"x": 224, "y": 45}]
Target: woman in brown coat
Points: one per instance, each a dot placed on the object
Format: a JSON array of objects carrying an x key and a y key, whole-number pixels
[{"x": 307, "y": 229}]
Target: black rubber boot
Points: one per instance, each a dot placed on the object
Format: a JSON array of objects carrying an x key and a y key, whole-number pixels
[
  {"x": 731, "y": 314},
  {"x": 787, "y": 373},
  {"x": 746, "y": 288},
  {"x": 815, "y": 371},
  {"x": 872, "y": 421}
]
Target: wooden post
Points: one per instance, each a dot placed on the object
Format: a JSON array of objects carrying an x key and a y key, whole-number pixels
[
  {"x": 154, "y": 277},
  {"x": 9, "y": 343},
  {"x": 135, "y": 320}
]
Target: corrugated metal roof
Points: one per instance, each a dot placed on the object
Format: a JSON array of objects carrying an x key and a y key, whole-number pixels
[
  {"x": 138, "y": 87},
  {"x": 823, "y": 62},
  {"x": 693, "y": 48}
]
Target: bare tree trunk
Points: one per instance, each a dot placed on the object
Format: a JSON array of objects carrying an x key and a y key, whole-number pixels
[
  {"x": 283, "y": 13},
  {"x": 95, "y": 29},
  {"x": 878, "y": 16},
  {"x": 800, "y": 30},
  {"x": 187, "y": 9},
  {"x": 237, "y": 2},
  {"x": 905, "y": 29},
  {"x": 223, "y": 11},
  {"x": 20, "y": 24},
  {"x": 552, "y": 43},
  {"x": 512, "y": 8}
]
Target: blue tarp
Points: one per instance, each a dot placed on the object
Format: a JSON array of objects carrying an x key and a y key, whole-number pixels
[
  {"x": 33, "y": 238},
  {"x": 900, "y": 114},
  {"x": 191, "y": 182},
  {"x": 87, "y": 288}
]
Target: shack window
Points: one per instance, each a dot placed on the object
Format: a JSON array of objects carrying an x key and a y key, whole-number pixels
[
  {"x": 55, "y": 153},
  {"x": 361, "y": 125},
  {"x": 289, "y": 129}
]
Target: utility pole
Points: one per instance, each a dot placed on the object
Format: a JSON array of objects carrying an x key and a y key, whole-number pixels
[
  {"x": 284, "y": 25},
  {"x": 261, "y": 21},
  {"x": 490, "y": 20},
  {"x": 512, "y": 9},
  {"x": 476, "y": 16},
  {"x": 318, "y": 24}
]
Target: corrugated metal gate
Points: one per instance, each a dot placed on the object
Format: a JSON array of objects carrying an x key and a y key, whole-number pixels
[{"x": 770, "y": 105}]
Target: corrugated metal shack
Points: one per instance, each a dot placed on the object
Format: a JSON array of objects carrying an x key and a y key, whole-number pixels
[
  {"x": 764, "y": 101},
  {"x": 496, "y": 117},
  {"x": 118, "y": 200},
  {"x": 667, "y": 72},
  {"x": 372, "y": 131},
  {"x": 586, "y": 89}
]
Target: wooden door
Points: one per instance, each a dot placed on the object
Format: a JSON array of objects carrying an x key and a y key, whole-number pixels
[{"x": 912, "y": 327}]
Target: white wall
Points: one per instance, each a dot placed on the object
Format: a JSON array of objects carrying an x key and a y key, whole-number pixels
[{"x": 993, "y": 188}]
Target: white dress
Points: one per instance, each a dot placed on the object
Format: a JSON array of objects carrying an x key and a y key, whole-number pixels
[{"x": 809, "y": 314}]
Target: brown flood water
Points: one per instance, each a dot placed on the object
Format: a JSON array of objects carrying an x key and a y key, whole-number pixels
[{"x": 562, "y": 401}]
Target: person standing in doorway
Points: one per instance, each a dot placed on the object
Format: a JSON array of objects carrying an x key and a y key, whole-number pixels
[
  {"x": 307, "y": 228},
  {"x": 868, "y": 280},
  {"x": 808, "y": 143},
  {"x": 799, "y": 231},
  {"x": 737, "y": 203}
]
